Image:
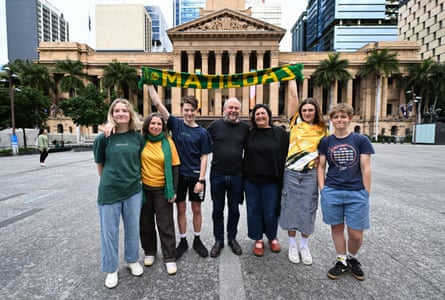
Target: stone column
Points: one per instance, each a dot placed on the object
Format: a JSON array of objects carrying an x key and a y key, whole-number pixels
[
  {"x": 274, "y": 87},
  {"x": 191, "y": 69},
  {"x": 246, "y": 89},
  {"x": 259, "y": 66},
  {"x": 384, "y": 99},
  {"x": 232, "y": 70},
  {"x": 305, "y": 90},
  {"x": 218, "y": 70},
  {"x": 176, "y": 92},
  {"x": 349, "y": 91},
  {"x": 205, "y": 92}
]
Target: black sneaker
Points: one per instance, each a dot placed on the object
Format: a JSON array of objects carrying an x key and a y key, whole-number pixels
[
  {"x": 216, "y": 249},
  {"x": 356, "y": 270},
  {"x": 199, "y": 247},
  {"x": 337, "y": 270},
  {"x": 182, "y": 247},
  {"x": 236, "y": 248}
]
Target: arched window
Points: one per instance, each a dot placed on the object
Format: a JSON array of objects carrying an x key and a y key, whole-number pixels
[{"x": 59, "y": 128}]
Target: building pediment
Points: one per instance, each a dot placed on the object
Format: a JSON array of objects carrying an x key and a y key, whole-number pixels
[{"x": 226, "y": 21}]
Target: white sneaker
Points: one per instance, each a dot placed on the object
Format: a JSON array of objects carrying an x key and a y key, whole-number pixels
[
  {"x": 171, "y": 268},
  {"x": 306, "y": 256},
  {"x": 42, "y": 164},
  {"x": 149, "y": 260},
  {"x": 136, "y": 269},
  {"x": 294, "y": 256},
  {"x": 111, "y": 280}
]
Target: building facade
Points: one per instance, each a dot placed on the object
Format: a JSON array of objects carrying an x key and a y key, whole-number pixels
[
  {"x": 424, "y": 21},
  {"x": 202, "y": 44},
  {"x": 186, "y": 10},
  {"x": 159, "y": 39},
  {"x": 123, "y": 27},
  {"x": 29, "y": 22},
  {"x": 348, "y": 25}
]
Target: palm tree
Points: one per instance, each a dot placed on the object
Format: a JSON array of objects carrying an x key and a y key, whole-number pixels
[
  {"x": 330, "y": 72},
  {"x": 437, "y": 83},
  {"x": 120, "y": 77},
  {"x": 73, "y": 76},
  {"x": 33, "y": 75},
  {"x": 379, "y": 63}
]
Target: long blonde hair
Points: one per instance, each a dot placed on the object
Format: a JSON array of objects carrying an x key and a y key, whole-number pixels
[{"x": 134, "y": 124}]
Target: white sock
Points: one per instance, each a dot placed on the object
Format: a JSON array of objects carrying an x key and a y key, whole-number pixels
[
  {"x": 342, "y": 258},
  {"x": 183, "y": 235},
  {"x": 304, "y": 242},
  {"x": 197, "y": 233},
  {"x": 292, "y": 241}
]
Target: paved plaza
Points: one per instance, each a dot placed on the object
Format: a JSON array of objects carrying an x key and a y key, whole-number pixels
[{"x": 49, "y": 233}]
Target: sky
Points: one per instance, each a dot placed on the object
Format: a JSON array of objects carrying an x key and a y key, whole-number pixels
[{"x": 78, "y": 13}]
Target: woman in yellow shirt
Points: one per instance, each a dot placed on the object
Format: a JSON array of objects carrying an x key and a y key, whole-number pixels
[{"x": 159, "y": 164}]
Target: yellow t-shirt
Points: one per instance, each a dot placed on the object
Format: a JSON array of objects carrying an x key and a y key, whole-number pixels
[
  {"x": 303, "y": 143},
  {"x": 152, "y": 163}
]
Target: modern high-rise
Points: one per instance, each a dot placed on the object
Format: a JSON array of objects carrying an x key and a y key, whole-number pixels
[
  {"x": 186, "y": 10},
  {"x": 123, "y": 27},
  {"x": 29, "y": 22},
  {"x": 424, "y": 21},
  {"x": 348, "y": 25},
  {"x": 159, "y": 39},
  {"x": 267, "y": 11}
]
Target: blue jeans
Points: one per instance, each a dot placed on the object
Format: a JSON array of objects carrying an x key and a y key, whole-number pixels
[
  {"x": 109, "y": 216},
  {"x": 262, "y": 209},
  {"x": 219, "y": 186}
]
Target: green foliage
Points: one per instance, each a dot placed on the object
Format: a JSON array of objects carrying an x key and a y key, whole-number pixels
[
  {"x": 88, "y": 108},
  {"x": 380, "y": 62},
  {"x": 331, "y": 70},
  {"x": 73, "y": 74},
  {"x": 121, "y": 77},
  {"x": 31, "y": 108}
]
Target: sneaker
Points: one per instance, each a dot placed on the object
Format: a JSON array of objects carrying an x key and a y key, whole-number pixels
[
  {"x": 171, "y": 268},
  {"x": 149, "y": 260},
  {"x": 306, "y": 256},
  {"x": 293, "y": 255},
  {"x": 182, "y": 247},
  {"x": 199, "y": 247},
  {"x": 236, "y": 248},
  {"x": 135, "y": 269},
  {"x": 216, "y": 249},
  {"x": 356, "y": 270},
  {"x": 337, "y": 270},
  {"x": 42, "y": 164},
  {"x": 111, "y": 280}
]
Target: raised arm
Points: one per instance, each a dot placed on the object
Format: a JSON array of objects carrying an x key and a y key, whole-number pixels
[
  {"x": 156, "y": 101},
  {"x": 293, "y": 98}
]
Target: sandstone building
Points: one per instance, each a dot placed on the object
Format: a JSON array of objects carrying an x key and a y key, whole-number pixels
[{"x": 227, "y": 40}]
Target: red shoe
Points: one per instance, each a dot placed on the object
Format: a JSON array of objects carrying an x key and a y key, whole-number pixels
[
  {"x": 258, "y": 249},
  {"x": 274, "y": 245}
]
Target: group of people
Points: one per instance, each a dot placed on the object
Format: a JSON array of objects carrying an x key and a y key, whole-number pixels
[{"x": 278, "y": 174}]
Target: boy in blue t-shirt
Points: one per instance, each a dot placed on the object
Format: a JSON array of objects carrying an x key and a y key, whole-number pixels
[{"x": 345, "y": 189}]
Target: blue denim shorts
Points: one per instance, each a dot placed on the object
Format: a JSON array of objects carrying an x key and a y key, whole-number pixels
[{"x": 343, "y": 206}]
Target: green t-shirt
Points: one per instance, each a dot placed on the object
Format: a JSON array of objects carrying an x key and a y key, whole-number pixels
[{"x": 121, "y": 176}]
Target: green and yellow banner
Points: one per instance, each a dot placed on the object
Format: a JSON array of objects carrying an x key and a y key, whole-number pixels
[{"x": 210, "y": 81}]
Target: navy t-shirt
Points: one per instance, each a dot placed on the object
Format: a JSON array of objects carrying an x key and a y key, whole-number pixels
[
  {"x": 343, "y": 157},
  {"x": 191, "y": 143}
]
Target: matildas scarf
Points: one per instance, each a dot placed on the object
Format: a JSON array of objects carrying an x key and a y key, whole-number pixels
[
  {"x": 165, "y": 145},
  {"x": 219, "y": 81}
]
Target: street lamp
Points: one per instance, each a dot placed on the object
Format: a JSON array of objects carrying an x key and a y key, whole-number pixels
[
  {"x": 14, "y": 140},
  {"x": 418, "y": 100}
]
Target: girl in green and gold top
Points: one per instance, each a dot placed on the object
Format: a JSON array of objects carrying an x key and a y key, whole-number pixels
[
  {"x": 299, "y": 201},
  {"x": 43, "y": 146}
]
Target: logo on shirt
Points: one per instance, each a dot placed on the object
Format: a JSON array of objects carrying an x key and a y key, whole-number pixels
[{"x": 344, "y": 156}]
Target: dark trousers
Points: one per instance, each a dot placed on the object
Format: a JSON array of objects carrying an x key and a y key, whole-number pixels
[
  {"x": 220, "y": 186},
  {"x": 156, "y": 206},
  {"x": 43, "y": 155}
]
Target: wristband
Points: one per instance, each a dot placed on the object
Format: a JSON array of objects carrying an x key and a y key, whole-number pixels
[{"x": 203, "y": 181}]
